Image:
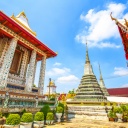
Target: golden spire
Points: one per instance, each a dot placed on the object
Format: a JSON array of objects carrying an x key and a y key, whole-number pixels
[{"x": 87, "y": 57}]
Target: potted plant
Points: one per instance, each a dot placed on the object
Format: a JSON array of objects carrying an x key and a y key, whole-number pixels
[
  {"x": 111, "y": 115},
  {"x": 26, "y": 120},
  {"x": 119, "y": 113},
  {"x": 59, "y": 111},
  {"x": 49, "y": 118},
  {"x": 13, "y": 120},
  {"x": 39, "y": 119}
]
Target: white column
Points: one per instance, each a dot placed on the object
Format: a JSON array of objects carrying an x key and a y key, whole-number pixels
[
  {"x": 7, "y": 63},
  {"x": 42, "y": 75},
  {"x": 30, "y": 72}
]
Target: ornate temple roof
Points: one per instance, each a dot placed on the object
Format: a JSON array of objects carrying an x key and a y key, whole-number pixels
[
  {"x": 22, "y": 20},
  {"x": 20, "y": 26},
  {"x": 123, "y": 30}
]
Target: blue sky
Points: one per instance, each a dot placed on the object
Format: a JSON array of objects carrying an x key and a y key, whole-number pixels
[{"x": 64, "y": 26}]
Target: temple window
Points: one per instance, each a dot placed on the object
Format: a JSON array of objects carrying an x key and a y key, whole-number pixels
[{"x": 16, "y": 63}]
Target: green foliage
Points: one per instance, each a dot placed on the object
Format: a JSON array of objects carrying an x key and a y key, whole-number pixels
[
  {"x": 118, "y": 110},
  {"x": 39, "y": 116},
  {"x": 124, "y": 108},
  {"x": 111, "y": 114},
  {"x": 52, "y": 99},
  {"x": 59, "y": 109},
  {"x": 45, "y": 110},
  {"x": 61, "y": 105},
  {"x": 50, "y": 116},
  {"x": 0, "y": 114},
  {"x": 27, "y": 117},
  {"x": 23, "y": 111},
  {"x": 13, "y": 119}
]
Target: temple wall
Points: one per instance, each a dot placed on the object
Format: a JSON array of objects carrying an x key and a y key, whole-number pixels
[
  {"x": 19, "y": 79},
  {"x": 3, "y": 49}
]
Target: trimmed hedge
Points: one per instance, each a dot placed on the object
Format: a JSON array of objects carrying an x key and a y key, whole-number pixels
[
  {"x": 50, "y": 116},
  {"x": 27, "y": 117},
  {"x": 13, "y": 119},
  {"x": 59, "y": 109},
  {"x": 39, "y": 116}
]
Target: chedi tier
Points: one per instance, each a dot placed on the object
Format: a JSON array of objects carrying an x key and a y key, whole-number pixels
[{"x": 89, "y": 89}]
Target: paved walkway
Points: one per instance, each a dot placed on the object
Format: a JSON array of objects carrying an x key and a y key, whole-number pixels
[{"x": 84, "y": 123}]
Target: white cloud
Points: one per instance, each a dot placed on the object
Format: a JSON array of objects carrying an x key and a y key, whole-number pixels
[
  {"x": 57, "y": 71},
  {"x": 70, "y": 79},
  {"x": 125, "y": 85},
  {"x": 101, "y": 26},
  {"x": 57, "y": 64},
  {"x": 120, "y": 71}
]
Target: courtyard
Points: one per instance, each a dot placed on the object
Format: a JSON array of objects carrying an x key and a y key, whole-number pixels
[{"x": 86, "y": 123}]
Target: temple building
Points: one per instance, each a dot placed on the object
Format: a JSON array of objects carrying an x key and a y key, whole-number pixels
[
  {"x": 102, "y": 85},
  {"x": 20, "y": 51},
  {"x": 89, "y": 89},
  {"x": 123, "y": 30}
]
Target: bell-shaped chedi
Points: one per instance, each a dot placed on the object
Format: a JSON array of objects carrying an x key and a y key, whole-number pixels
[{"x": 89, "y": 89}]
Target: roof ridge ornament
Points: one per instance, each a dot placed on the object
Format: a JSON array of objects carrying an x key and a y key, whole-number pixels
[
  {"x": 126, "y": 22},
  {"x": 112, "y": 17}
]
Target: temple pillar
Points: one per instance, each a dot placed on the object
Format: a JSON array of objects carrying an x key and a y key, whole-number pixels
[
  {"x": 34, "y": 71},
  {"x": 42, "y": 74},
  {"x": 7, "y": 63},
  {"x": 30, "y": 72}
]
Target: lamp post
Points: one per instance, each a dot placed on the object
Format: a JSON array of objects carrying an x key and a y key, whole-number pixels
[
  {"x": 6, "y": 100},
  {"x": 36, "y": 98}
]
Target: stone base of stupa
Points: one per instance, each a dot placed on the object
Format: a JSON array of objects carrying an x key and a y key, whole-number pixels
[{"x": 88, "y": 112}]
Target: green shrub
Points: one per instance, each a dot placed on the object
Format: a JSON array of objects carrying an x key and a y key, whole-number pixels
[
  {"x": 50, "y": 116},
  {"x": 39, "y": 116},
  {"x": 27, "y": 117},
  {"x": 13, "y": 119},
  {"x": 118, "y": 110},
  {"x": 61, "y": 105},
  {"x": 111, "y": 114},
  {"x": 59, "y": 109},
  {"x": 45, "y": 110},
  {"x": 0, "y": 114}
]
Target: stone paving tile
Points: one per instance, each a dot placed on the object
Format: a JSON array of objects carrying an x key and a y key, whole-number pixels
[{"x": 84, "y": 123}]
